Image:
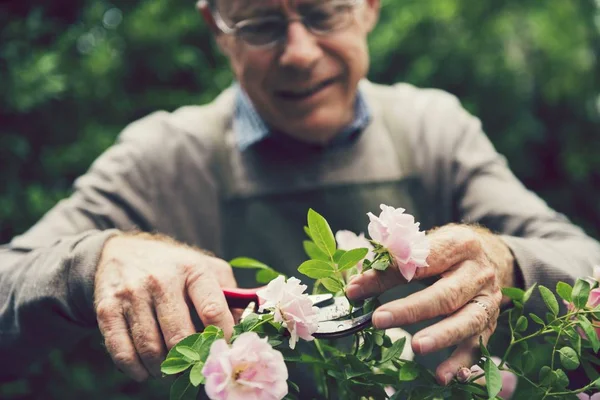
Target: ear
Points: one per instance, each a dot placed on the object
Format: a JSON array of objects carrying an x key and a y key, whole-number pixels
[{"x": 371, "y": 13}]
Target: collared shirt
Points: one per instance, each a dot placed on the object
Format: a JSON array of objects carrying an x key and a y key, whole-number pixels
[{"x": 250, "y": 128}]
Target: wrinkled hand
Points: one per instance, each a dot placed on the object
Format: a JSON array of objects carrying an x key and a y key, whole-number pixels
[
  {"x": 473, "y": 264},
  {"x": 142, "y": 290}
]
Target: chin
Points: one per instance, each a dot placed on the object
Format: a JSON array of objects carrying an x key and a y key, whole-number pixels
[{"x": 319, "y": 126}]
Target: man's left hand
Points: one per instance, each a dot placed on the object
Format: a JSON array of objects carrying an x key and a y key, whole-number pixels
[{"x": 473, "y": 264}]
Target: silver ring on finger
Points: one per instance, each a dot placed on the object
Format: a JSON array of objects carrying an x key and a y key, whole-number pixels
[{"x": 484, "y": 306}]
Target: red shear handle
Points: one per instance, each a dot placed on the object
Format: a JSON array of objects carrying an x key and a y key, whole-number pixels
[{"x": 240, "y": 298}]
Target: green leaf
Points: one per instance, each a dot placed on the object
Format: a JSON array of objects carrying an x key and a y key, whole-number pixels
[
  {"x": 194, "y": 341},
  {"x": 590, "y": 332},
  {"x": 366, "y": 349},
  {"x": 576, "y": 343},
  {"x": 513, "y": 293},
  {"x": 596, "y": 312},
  {"x": 274, "y": 342},
  {"x": 338, "y": 255},
  {"x": 307, "y": 231},
  {"x": 472, "y": 389},
  {"x": 560, "y": 379},
  {"x": 394, "y": 351},
  {"x": 537, "y": 319},
  {"x": 528, "y": 361},
  {"x": 366, "y": 265},
  {"x": 493, "y": 378},
  {"x": 173, "y": 366},
  {"x": 528, "y": 293},
  {"x": 182, "y": 389},
  {"x": 332, "y": 284},
  {"x": 209, "y": 336},
  {"x": 196, "y": 377},
  {"x": 248, "y": 263},
  {"x": 569, "y": 358},
  {"x": 522, "y": 324},
  {"x": 380, "y": 265},
  {"x": 581, "y": 292},
  {"x": 483, "y": 349},
  {"x": 597, "y": 383},
  {"x": 378, "y": 337},
  {"x": 320, "y": 232},
  {"x": 549, "y": 299},
  {"x": 351, "y": 258},
  {"x": 266, "y": 275},
  {"x": 355, "y": 367},
  {"x": 546, "y": 376},
  {"x": 188, "y": 352},
  {"x": 564, "y": 290},
  {"x": 294, "y": 386},
  {"x": 313, "y": 251},
  {"x": 408, "y": 372},
  {"x": 316, "y": 269}
]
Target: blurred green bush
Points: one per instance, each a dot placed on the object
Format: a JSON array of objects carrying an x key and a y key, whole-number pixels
[{"x": 73, "y": 73}]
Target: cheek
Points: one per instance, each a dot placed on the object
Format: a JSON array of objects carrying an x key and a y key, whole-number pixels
[
  {"x": 251, "y": 68},
  {"x": 352, "y": 53}
]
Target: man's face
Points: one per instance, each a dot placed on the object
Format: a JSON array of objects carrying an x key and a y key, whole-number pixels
[{"x": 306, "y": 85}]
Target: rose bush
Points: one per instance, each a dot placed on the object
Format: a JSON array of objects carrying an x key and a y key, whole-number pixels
[{"x": 378, "y": 364}]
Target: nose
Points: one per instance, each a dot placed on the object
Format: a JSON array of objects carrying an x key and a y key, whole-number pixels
[{"x": 301, "y": 49}]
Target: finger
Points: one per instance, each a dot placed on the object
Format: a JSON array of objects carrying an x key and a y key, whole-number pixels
[
  {"x": 224, "y": 273},
  {"x": 466, "y": 354},
  {"x": 449, "y": 246},
  {"x": 146, "y": 335},
  {"x": 373, "y": 283},
  {"x": 443, "y": 297},
  {"x": 113, "y": 327},
  {"x": 172, "y": 312},
  {"x": 205, "y": 292},
  {"x": 470, "y": 320}
]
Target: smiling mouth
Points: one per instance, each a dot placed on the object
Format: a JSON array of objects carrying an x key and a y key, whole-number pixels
[{"x": 299, "y": 94}]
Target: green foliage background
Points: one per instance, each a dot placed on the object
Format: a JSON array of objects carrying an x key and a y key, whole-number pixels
[{"x": 73, "y": 73}]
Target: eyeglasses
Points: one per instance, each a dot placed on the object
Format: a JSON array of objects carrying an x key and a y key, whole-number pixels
[{"x": 320, "y": 19}]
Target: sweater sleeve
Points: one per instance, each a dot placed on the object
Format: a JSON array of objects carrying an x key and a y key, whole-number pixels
[
  {"x": 47, "y": 274},
  {"x": 547, "y": 247}
]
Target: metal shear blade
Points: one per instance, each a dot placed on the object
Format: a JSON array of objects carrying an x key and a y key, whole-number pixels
[{"x": 331, "y": 311}]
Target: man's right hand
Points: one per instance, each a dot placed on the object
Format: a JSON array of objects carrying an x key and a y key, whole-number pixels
[{"x": 144, "y": 289}]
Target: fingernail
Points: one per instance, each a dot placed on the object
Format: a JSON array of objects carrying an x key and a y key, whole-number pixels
[
  {"x": 448, "y": 377},
  {"x": 463, "y": 374},
  {"x": 383, "y": 319},
  {"x": 354, "y": 291},
  {"x": 425, "y": 345}
]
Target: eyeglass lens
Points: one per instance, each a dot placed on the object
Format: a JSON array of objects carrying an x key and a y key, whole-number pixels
[{"x": 320, "y": 20}]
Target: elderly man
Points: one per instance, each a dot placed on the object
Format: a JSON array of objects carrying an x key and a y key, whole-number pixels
[{"x": 300, "y": 128}]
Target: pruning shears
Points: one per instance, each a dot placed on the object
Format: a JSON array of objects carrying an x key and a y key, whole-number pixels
[{"x": 337, "y": 317}]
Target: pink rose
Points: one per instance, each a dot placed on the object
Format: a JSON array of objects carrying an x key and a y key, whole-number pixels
[
  {"x": 509, "y": 380},
  {"x": 292, "y": 307},
  {"x": 400, "y": 235},
  {"x": 249, "y": 369},
  {"x": 594, "y": 298},
  {"x": 583, "y": 396},
  {"x": 348, "y": 240},
  {"x": 597, "y": 273},
  {"x": 593, "y": 301}
]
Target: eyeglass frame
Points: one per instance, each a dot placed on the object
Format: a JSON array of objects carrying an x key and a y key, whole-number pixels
[{"x": 222, "y": 26}]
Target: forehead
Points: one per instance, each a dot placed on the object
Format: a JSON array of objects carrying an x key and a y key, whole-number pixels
[{"x": 249, "y": 8}]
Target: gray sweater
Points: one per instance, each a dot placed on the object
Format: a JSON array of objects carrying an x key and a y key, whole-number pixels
[{"x": 183, "y": 175}]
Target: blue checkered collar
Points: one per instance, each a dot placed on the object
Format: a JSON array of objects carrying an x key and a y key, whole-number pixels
[{"x": 249, "y": 128}]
